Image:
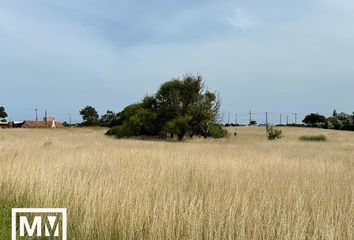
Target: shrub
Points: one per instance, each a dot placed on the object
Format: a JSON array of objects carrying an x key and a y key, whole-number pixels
[
  {"x": 274, "y": 134},
  {"x": 252, "y": 123},
  {"x": 314, "y": 138},
  {"x": 120, "y": 131},
  {"x": 216, "y": 131}
]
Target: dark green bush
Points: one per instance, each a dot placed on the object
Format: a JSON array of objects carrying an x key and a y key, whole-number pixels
[
  {"x": 274, "y": 134},
  {"x": 252, "y": 123},
  {"x": 314, "y": 138},
  {"x": 216, "y": 131},
  {"x": 315, "y": 120},
  {"x": 120, "y": 131}
]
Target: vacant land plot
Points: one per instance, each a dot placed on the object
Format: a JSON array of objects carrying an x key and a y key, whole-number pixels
[{"x": 241, "y": 188}]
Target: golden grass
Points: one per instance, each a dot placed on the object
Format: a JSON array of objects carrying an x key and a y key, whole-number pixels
[{"x": 241, "y": 188}]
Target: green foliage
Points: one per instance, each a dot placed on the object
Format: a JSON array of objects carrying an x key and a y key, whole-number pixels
[
  {"x": 346, "y": 120},
  {"x": 314, "y": 138},
  {"x": 315, "y": 120},
  {"x": 216, "y": 131},
  {"x": 274, "y": 134},
  {"x": 334, "y": 114},
  {"x": 178, "y": 127},
  {"x": 334, "y": 123},
  {"x": 90, "y": 116},
  {"x": 3, "y": 113},
  {"x": 338, "y": 121},
  {"x": 341, "y": 121},
  {"x": 178, "y": 108},
  {"x": 107, "y": 119},
  {"x": 120, "y": 131},
  {"x": 252, "y": 123}
]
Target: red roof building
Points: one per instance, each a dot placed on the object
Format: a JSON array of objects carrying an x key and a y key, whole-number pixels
[{"x": 46, "y": 123}]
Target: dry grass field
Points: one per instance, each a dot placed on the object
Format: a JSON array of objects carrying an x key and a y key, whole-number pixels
[{"x": 241, "y": 188}]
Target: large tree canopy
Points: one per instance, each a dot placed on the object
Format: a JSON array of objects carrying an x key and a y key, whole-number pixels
[
  {"x": 180, "y": 107},
  {"x": 315, "y": 120},
  {"x": 90, "y": 116}
]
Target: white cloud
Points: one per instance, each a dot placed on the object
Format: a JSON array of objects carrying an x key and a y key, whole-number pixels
[{"x": 241, "y": 19}]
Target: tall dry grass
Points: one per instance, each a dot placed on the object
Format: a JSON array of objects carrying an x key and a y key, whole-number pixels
[{"x": 242, "y": 188}]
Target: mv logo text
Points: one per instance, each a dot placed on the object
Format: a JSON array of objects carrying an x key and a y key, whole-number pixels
[{"x": 43, "y": 223}]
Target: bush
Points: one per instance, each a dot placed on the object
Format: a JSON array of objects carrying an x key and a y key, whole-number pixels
[
  {"x": 216, "y": 131},
  {"x": 120, "y": 131},
  {"x": 314, "y": 138},
  {"x": 274, "y": 134},
  {"x": 253, "y": 123}
]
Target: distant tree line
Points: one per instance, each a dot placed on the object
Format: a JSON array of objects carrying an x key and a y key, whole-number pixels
[
  {"x": 180, "y": 107},
  {"x": 338, "y": 121}
]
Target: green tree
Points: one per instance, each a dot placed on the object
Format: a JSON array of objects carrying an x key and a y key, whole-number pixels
[
  {"x": 315, "y": 120},
  {"x": 90, "y": 116},
  {"x": 346, "y": 120},
  {"x": 334, "y": 123},
  {"x": 3, "y": 113},
  {"x": 107, "y": 119},
  {"x": 189, "y": 99},
  {"x": 334, "y": 114},
  {"x": 178, "y": 108}
]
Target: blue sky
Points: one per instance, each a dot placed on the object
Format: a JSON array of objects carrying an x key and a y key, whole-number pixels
[{"x": 277, "y": 55}]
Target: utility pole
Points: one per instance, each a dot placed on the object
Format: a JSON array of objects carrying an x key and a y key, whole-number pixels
[
  {"x": 228, "y": 118},
  {"x": 69, "y": 119},
  {"x": 46, "y": 118},
  {"x": 295, "y": 118},
  {"x": 287, "y": 120},
  {"x": 36, "y": 110},
  {"x": 281, "y": 118},
  {"x": 250, "y": 116},
  {"x": 236, "y": 119},
  {"x": 266, "y": 119}
]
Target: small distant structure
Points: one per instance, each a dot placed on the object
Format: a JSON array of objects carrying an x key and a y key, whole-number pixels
[
  {"x": 13, "y": 124},
  {"x": 48, "y": 122},
  {"x": 17, "y": 124},
  {"x": 4, "y": 125}
]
